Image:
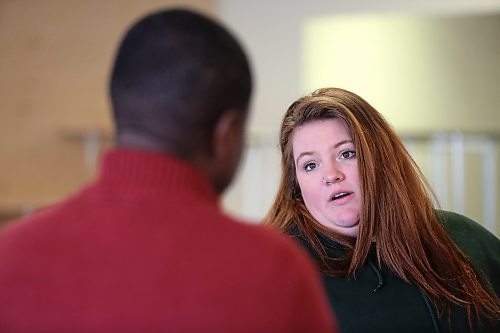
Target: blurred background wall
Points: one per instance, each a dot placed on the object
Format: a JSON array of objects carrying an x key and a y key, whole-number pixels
[
  {"x": 431, "y": 67},
  {"x": 55, "y": 58}
]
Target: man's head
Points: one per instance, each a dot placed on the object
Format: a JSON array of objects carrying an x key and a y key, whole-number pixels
[{"x": 181, "y": 84}]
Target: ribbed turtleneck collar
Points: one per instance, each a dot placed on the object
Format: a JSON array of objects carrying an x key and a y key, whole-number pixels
[{"x": 131, "y": 170}]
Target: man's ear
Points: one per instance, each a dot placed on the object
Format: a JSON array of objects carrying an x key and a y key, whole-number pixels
[
  {"x": 227, "y": 146},
  {"x": 228, "y": 133}
]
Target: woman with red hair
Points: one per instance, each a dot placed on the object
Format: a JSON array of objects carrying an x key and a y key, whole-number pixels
[{"x": 353, "y": 196}]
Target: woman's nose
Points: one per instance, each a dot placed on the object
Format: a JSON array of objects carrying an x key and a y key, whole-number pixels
[{"x": 333, "y": 175}]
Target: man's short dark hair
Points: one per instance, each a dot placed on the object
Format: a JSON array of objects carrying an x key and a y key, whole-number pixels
[{"x": 175, "y": 73}]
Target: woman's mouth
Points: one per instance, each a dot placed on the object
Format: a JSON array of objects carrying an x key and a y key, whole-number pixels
[{"x": 341, "y": 198}]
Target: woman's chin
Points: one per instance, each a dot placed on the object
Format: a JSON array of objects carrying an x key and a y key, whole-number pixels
[
  {"x": 346, "y": 229},
  {"x": 351, "y": 231},
  {"x": 345, "y": 223}
]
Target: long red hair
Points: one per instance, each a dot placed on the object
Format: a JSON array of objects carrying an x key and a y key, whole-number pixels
[{"x": 397, "y": 208}]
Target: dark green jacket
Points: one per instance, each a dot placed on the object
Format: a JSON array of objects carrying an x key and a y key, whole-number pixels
[{"x": 375, "y": 300}]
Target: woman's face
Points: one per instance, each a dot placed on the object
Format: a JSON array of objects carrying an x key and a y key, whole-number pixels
[{"x": 327, "y": 172}]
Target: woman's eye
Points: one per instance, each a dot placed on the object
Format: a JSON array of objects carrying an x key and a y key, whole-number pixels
[
  {"x": 310, "y": 166},
  {"x": 348, "y": 154}
]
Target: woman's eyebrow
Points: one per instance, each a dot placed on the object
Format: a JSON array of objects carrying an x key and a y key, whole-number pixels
[
  {"x": 343, "y": 142},
  {"x": 306, "y": 153}
]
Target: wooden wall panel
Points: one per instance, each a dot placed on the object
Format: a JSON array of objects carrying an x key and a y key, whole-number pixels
[{"x": 55, "y": 57}]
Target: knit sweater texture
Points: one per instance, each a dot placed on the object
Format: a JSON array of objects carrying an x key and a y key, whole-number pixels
[
  {"x": 375, "y": 300},
  {"x": 146, "y": 248}
]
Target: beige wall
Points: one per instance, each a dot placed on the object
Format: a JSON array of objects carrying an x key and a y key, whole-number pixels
[
  {"x": 429, "y": 75},
  {"x": 54, "y": 63}
]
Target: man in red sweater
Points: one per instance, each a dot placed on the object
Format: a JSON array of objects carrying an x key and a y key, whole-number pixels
[{"x": 146, "y": 248}]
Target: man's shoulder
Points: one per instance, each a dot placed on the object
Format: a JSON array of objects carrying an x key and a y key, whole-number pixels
[
  {"x": 26, "y": 222},
  {"x": 41, "y": 227}
]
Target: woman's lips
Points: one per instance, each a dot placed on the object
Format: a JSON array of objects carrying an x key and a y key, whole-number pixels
[{"x": 341, "y": 198}]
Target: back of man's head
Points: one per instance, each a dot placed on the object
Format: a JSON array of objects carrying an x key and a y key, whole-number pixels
[{"x": 175, "y": 74}]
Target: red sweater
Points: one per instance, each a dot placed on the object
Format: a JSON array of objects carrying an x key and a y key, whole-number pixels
[{"x": 147, "y": 249}]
